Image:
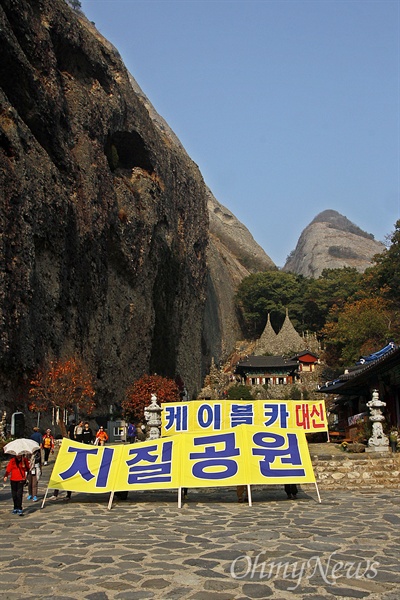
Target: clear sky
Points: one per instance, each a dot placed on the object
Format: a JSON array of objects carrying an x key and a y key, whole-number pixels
[{"x": 287, "y": 107}]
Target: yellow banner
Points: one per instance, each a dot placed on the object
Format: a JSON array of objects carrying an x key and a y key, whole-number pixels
[
  {"x": 208, "y": 416},
  {"x": 239, "y": 456}
]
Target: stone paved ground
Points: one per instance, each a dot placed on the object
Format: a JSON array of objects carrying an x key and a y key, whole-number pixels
[{"x": 211, "y": 548}]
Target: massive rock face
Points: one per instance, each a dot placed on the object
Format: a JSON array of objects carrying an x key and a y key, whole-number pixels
[
  {"x": 107, "y": 249},
  {"x": 331, "y": 241},
  {"x": 232, "y": 255},
  {"x": 104, "y": 222}
]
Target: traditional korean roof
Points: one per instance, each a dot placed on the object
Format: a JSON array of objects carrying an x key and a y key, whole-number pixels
[
  {"x": 267, "y": 362},
  {"x": 365, "y": 372},
  {"x": 306, "y": 352}
]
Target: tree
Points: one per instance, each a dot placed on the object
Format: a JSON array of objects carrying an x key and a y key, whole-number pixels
[
  {"x": 334, "y": 287},
  {"x": 270, "y": 292},
  {"x": 138, "y": 395},
  {"x": 239, "y": 392},
  {"x": 383, "y": 278},
  {"x": 357, "y": 329},
  {"x": 63, "y": 385},
  {"x": 75, "y": 4}
]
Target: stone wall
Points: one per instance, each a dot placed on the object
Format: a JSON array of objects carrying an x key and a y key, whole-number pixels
[{"x": 357, "y": 471}]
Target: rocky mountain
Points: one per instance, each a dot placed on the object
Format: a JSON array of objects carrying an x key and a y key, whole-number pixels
[
  {"x": 112, "y": 245},
  {"x": 104, "y": 222},
  {"x": 331, "y": 241},
  {"x": 232, "y": 255}
]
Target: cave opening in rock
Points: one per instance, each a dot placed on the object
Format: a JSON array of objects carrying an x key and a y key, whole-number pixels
[{"x": 126, "y": 150}]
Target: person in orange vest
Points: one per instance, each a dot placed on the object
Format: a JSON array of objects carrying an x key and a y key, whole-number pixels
[
  {"x": 47, "y": 445},
  {"x": 101, "y": 437}
]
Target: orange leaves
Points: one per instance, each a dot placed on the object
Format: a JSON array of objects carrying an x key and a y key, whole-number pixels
[
  {"x": 138, "y": 396},
  {"x": 63, "y": 383}
]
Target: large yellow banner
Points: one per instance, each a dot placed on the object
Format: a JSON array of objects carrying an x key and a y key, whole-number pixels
[
  {"x": 239, "y": 456},
  {"x": 210, "y": 416}
]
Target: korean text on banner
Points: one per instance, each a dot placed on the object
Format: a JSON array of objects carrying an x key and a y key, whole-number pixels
[
  {"x": 239, "y": 456},
  {"x": 218, "y": 415}
]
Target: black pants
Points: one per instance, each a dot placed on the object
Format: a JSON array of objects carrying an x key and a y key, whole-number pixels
[
  {"x": 291, "y": 489},
  {"x": 46, "y": 454},
  {"x": 17, "y": 489}
]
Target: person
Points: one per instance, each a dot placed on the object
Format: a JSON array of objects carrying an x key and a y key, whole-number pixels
[
  {"x": 17, "y": 469},
  {"x": 87, "y": 434},
  {"x": 71, "y": 430},
  {"x": 241, "y": 491},
  {"x": 34, "y": 473},
  {"x": 36, "y": 436},
  {"x": 78, "y": 432},
  {"x": 291, "y": 491},
  {"x": 101, "y": 437},
  {"x": 55, "y": 495},
  {"x": 47, "y": 445},
  {"x": 141, "y": 433},
  {"x": 131, "y": 433}
]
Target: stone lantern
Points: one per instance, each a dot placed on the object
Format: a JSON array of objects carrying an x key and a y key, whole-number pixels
[
  {"x": 378, "y": 442},
  {"x": 152, "y": 414}
]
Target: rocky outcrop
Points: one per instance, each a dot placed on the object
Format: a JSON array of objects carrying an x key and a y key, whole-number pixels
[
  {"x": 112, "y": 246},
  {"x": 103, "y": 221},
  {"x": 331, "y": 241},
  {"x": 232, "y": 255}
]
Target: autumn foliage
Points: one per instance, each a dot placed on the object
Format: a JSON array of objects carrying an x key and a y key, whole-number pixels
[
  {"x": 138, "y": 396},
  {"x": 62, "y": 384}
]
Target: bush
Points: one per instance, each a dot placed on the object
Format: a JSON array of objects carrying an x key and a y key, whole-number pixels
[{"x": 239, "y": 392}]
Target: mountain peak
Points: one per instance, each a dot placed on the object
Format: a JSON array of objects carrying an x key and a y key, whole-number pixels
[
  {"x": 337, "y": 221},
  {"x": 332, "y": 241}
]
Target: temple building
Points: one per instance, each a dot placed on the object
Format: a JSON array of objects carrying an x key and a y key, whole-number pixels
[{"x": 267, "y": 370}]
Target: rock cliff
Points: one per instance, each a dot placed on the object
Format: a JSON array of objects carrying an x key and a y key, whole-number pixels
[
  {"x": 232, "y": 255},
  {"x": 104, "y": 219},
  {"x": 104, "y": 222},
  {"x": 331, "y": 241}
]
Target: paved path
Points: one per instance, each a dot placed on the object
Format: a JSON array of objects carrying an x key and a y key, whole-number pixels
[{"x": 147, "y": 548}]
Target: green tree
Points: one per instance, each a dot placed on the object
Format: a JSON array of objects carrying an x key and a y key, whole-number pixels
[
  {"x": 335, "y": 287},
  {"x": 270, "y": 292},
  {"x": 239, "y": 392},
  {"x": 357, "y": 329},
  {"x": 383, "y": 278}
]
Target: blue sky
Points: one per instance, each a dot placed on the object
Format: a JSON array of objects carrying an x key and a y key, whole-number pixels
[{"x": 288, "y": 108}]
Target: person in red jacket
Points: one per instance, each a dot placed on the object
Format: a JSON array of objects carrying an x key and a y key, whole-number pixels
[
  {"x": 47, "y": 445},
  {"x": 17, "y": 469}
]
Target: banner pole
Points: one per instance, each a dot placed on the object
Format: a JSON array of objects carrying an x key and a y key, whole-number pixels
[
  {"x": 179, "y": 497},
  {"x": 319, "y": 497},
  {"x": 110, "y": 500},
  {"x": 249, "y": 494},
  {"x": 44, "y": 499}
]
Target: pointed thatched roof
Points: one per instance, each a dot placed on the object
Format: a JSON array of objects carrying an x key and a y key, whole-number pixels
[
  {"x": 288, "y": 340},
  {"x": 285, "y": 342},
  {"x": 266, "y": 343}
]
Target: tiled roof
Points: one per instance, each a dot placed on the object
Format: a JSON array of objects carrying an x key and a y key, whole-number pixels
[{"x": 361, "y": 373}]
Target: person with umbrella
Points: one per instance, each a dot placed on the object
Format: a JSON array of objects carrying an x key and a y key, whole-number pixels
[{"x": 17, "y": 469}]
